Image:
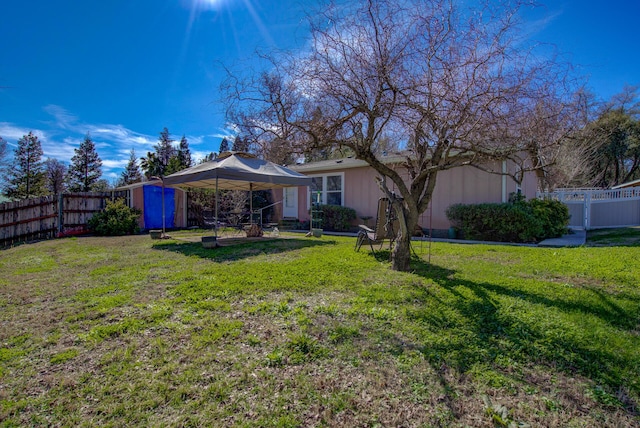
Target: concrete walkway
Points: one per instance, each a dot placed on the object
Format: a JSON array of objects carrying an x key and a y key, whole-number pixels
[{"x": 576, "y": 238}]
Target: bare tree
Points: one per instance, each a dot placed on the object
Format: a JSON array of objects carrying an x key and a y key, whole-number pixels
[
  {"x": 261, "y": 106},
  {"x": 450, "y": 83},
  {"x": 56, "y": 172}
]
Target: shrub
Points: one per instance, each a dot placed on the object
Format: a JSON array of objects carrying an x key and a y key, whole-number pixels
[
  {"x": 554, "y": 216},
  {"x": 116, "y": 219},
  {"x": 519, "y": 221},
  {"x": 337, "y": 218}
]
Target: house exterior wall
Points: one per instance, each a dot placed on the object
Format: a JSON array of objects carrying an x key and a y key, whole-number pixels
[
  {"x": 137, "y": 201},
  {"x": 467, "y": 185}
]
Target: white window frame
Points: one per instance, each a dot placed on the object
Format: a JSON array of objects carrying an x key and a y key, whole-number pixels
[{"x": 323, "y": 196}]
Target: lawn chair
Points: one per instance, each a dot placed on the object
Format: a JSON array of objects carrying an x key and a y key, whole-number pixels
[
  {"x": 386, "y": 227},
  {"x": 208, "y": 219}
]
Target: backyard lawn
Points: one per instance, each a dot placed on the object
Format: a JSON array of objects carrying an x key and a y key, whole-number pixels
[{"x": 306, "y": 332}]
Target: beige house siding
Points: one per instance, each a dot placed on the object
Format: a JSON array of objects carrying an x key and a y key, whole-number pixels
[{"x": 467, "y": 185}]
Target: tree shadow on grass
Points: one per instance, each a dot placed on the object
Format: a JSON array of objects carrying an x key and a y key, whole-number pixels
[
  {"x": 477, "y": 330},
  {"x": 241, "y": 250},
  {"x": 618, "y": 237}
]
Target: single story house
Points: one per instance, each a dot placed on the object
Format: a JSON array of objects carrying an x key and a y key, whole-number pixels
[
  {"x": 147, "y": 197},
  {"x": 351, "y": 183}
]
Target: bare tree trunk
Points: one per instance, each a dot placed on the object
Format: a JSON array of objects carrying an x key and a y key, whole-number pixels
[{"x": 401, "y": 254}]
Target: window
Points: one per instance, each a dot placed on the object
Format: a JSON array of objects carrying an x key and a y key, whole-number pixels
[{"x": 327, "y": 189}]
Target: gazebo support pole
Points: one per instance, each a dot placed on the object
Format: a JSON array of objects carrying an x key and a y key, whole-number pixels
[
  {"x": 251, "y": 203},
  {"x": 215, "y": 226}
]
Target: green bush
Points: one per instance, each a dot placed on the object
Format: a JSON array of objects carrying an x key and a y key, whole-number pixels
[
  {"x": 554, "y": 216},
  {"x": 116, "y": 219},
  {"x": 518, "y": 221},
  {"x": 337, "y": 218}
]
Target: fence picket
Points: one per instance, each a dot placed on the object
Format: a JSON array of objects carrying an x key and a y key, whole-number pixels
[{"x": 48, "y": 216}]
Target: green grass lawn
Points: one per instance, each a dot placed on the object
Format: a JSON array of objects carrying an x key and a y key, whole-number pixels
[{"x": 306, "y": 332}]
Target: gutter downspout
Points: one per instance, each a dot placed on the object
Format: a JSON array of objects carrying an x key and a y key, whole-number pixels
[{"x": 504, "y": 181}]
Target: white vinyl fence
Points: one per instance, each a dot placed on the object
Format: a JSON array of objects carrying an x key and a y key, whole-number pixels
[{"x": 593, "y": 209}]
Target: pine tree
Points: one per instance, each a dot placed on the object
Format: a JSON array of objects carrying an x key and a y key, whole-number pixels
[
  {"x": 25, "y": 178},
  {"x": 210, "y": 157},
  {"x": 55, "y": 174},
  {"x": 184, "y": 154},
  {"x": 181, "y": 160},
  {"x": 224, "y": 145},
  {"x": 158, "y": 163},
  {"x": 86, "y": 167},
  {"x": 164, "y": 149},
  {"x": 131, "y": 173},
  {"x": 240, "y": 144},
  {"x": 3, "y": 153}
]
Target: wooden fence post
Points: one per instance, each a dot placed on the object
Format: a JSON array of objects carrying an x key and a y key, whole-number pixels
[{"x": 60, "y": 213}]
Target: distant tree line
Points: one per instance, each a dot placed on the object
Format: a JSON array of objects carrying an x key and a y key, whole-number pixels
[{"x": 29, "y": 175}]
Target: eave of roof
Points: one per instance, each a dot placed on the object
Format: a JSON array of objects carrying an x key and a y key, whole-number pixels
[
  {"x": 140, "y": 184},
  {"x": 633, "y": 183},
  {"x": 344, "y": 163}
]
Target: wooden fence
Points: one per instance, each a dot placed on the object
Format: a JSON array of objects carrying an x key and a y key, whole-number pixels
[{"x": 50, "y": 216}]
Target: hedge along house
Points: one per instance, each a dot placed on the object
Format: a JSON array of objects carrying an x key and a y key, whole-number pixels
[
  {"x": 147, "y": 197},
  {"x": 351, "y": 183}
]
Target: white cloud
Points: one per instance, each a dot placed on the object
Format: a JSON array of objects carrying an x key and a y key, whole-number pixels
[
  {"x": 12, "y": 133},
  {"x": 63, "y": 119},
  {"x": 194, "y": 141},
  {"x": 121, "y": 135},
  {"x": 63, "y": 151},
  {"x": 114, "y": 163},
  {"x": 197, "y": 156}
]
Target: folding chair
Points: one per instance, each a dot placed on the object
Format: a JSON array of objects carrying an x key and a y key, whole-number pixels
[
  {"x": 208, "y": 219},
  {"x": 386, "y": 227}
]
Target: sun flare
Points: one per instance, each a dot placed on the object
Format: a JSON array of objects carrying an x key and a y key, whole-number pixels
[{"x": 208, "y": 4}]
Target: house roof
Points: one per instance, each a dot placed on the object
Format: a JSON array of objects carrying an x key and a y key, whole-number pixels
[
  {"x": 140, "y": 184},
  {"x": 633, "y": 183},
  {"x": 344, "y": 163}
]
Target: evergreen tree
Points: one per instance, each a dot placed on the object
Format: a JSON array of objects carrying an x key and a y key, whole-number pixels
[
  {"x": 86, "y": 167},
  {"x": 240, "y": 144},
  {"x": 55, "y": 175},
  {"x": 181, "y": 160},
  {"x": 101, "y": 185},
  {"x": 3, "y": 153},
  {"x": 25, "y": 178},
  {"x": 131, "y": 173},
  {"x": 208, "y": 158},
  {"x": 156, "y": 163},
  {"x": 224, "y": 145},
  {"x": 184, "y": 154},
  {"x": 164, "y": 149}
]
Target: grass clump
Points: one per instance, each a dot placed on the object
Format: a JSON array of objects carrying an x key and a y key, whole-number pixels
[{"x": 308, "y": 332}]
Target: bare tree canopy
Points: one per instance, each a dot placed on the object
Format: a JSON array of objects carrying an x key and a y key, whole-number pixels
[{"x": 453, "y": 86}]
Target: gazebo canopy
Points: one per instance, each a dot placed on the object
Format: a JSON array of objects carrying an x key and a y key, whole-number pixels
[{"x": 237, "y": 171}]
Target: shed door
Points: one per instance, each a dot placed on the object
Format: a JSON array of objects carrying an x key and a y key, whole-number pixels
[{"x": 290, "y": 203}]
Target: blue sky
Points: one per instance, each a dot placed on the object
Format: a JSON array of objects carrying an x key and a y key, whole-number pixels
[{"x": 124, "y": 69}]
